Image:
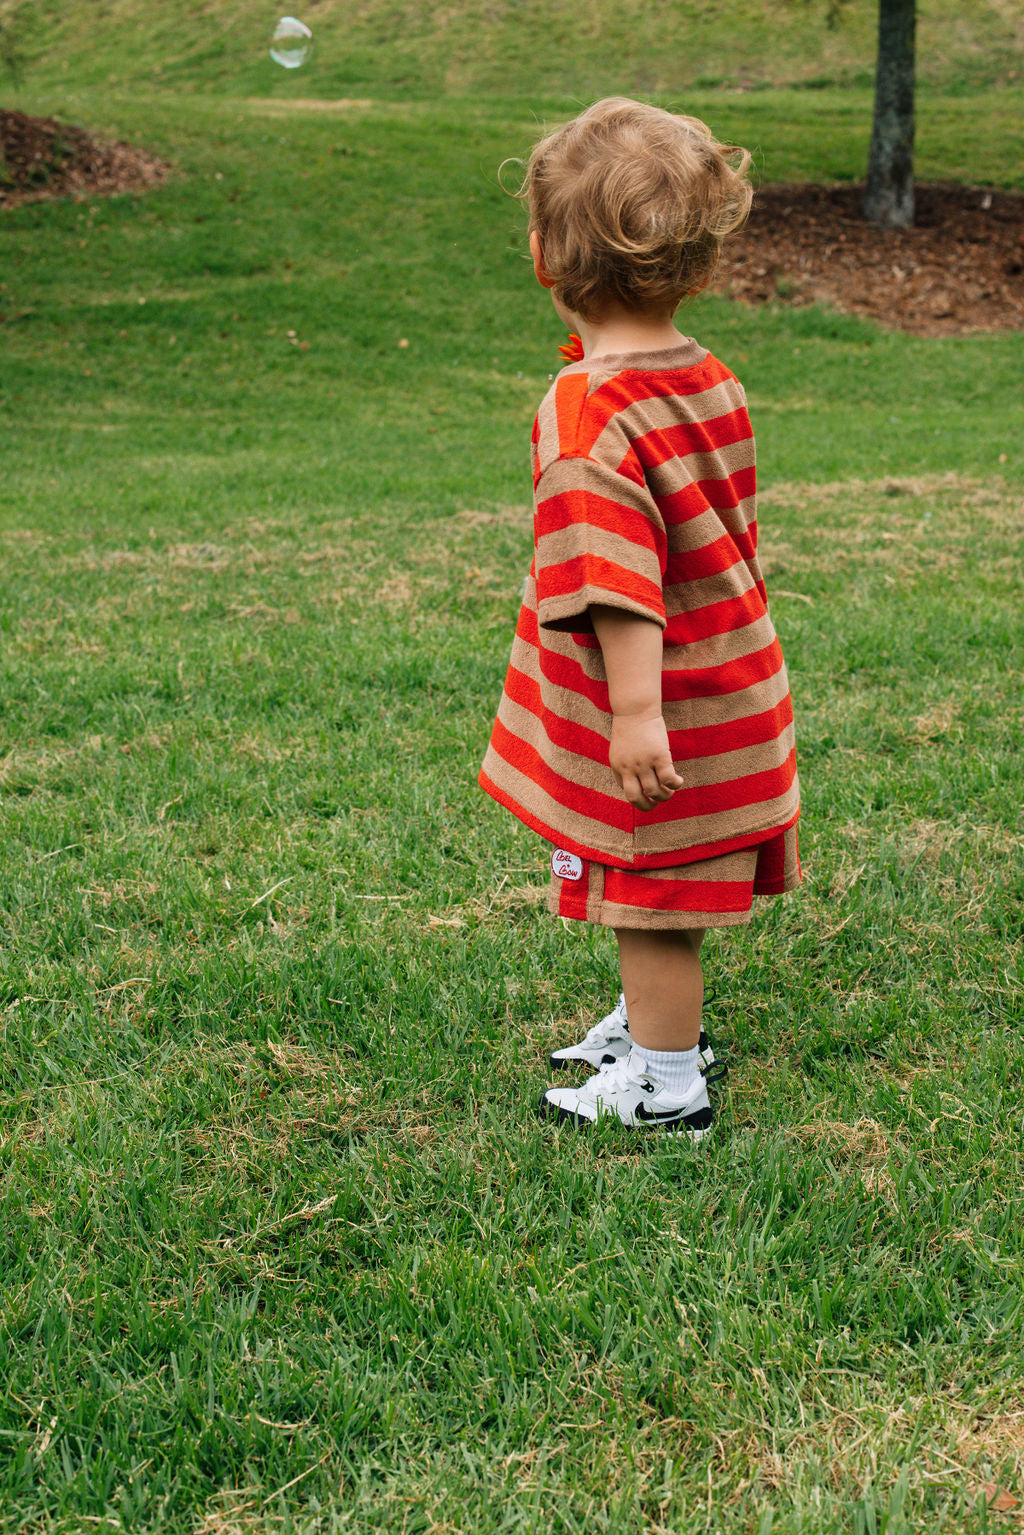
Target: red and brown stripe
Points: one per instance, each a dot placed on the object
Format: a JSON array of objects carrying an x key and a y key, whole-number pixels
[{"x": 645, "y": 500}]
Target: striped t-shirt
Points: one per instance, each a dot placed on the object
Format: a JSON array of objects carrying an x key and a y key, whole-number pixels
[{"x": 644, "y": 499}]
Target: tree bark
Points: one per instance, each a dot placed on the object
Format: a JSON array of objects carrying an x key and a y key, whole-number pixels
[{"x": 889, "y": 195}]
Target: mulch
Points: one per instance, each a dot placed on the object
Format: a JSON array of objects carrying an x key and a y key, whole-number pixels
[
  {"x": 41, "y": 159},
  {"x": 960, "y": 269}
]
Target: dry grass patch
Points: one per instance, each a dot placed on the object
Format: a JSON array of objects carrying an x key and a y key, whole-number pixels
[
  {"x": 418, "y": 1135},
  {"x": 952, "y": 870},
  {"x": 288, "y": 1061},
  {"x": 498, "y": 903},
  {"x": 936, "y": 723},
  {"x": 264, "y": 613},
  {"x": 442, "y": 554},
  {"x": 31, "y": 537},
  {"x": 121, "y": 890},
  {"x": 899, "y": 528},
  {"x": 24, "y": 765},
  {"x": 246, "y": 1138},
  {"x": 865, "y": 1143},
  {"x": 997, "y": 1440},
  {"x": 519, "y": 515},
  {"x": 261, "y": 748},
  {"x": 864, "y": 1445},
  {"x": 922, "y": 838},
  {"x": 929, "y": 840},
  {"x": 212, "y": 557},
  {"x": 279, "y": 106},
  {"x": 395, "y": 592},
  {"x": 798, "y": 494}
]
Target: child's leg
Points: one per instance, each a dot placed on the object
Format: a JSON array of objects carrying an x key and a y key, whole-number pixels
[
  {"x": 661, "y": 1082},
  {"x": 664, "y": 986}
]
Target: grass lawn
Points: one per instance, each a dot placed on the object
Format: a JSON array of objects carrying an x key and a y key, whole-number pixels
[{"x": 283, "y": 1247}]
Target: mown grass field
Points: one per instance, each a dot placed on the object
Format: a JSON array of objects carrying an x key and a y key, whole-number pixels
[
  {"x": 283, "y": 1246},
  {"x": 402, "y": 49}
]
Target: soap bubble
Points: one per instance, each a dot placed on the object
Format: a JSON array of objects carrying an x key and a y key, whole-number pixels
[{"x": 292, "y": 43}]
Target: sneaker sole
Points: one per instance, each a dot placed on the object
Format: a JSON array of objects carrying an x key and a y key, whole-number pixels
[{"x": 696, "y": 1126}]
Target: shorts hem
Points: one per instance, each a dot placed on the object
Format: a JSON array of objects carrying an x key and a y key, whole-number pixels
[
  {"x": 584, "y": 891},
  {"x": 607, "y": 915}
]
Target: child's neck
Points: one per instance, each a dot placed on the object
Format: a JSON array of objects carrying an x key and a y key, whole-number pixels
[{"x": 624, "y": 330}]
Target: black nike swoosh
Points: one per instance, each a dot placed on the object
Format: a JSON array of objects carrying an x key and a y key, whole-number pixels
[{"x": 643, "y": 1112}]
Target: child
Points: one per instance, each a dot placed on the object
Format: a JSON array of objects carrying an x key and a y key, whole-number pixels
[{"x": 645, "y": 727}]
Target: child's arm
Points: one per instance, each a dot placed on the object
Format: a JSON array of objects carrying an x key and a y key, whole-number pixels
[{"x": 639, "y": 753}]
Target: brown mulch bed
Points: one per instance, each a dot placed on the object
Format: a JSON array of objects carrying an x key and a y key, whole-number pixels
[
  {"x": 960, "y": 269},
  {"x": 41, "y": 158}
]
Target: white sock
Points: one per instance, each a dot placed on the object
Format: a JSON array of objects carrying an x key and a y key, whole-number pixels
[{"x": 677, "y": 1070}]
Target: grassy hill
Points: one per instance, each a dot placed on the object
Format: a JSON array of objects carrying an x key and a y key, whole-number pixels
[{"x": 525, "y": 47}]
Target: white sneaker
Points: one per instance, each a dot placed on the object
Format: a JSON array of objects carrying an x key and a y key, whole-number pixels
[
  {"x": 609, "y": 1041},
  {"x": 628, "y": 1091}
]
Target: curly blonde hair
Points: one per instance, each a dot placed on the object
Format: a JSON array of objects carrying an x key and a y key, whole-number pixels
[{"x": 632, "y": 204}]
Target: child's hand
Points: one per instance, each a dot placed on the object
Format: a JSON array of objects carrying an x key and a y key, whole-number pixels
[{"x": 639, "y": 756}]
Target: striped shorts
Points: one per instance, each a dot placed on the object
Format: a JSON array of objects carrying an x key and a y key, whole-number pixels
[{"x": 716, "y": 892}]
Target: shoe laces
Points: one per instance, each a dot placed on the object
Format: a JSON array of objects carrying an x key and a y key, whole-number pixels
[
  {"x": 598, "y": 1035},
  {"x": 631, "y": 1070},
  {"x": 610, "y": 1026},
  {"x": 625, "y": 1072}
]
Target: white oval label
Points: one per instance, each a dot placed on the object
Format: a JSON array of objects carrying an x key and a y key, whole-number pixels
[{"x": 566, "y": 865}]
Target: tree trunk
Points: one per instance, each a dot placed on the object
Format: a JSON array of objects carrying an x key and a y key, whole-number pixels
[{"x": 889, "y": 195}]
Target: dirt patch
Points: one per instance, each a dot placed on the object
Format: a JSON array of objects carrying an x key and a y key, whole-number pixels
[
  {"x": 41, "y": 158},
  {"x": 960, "y": 269}
]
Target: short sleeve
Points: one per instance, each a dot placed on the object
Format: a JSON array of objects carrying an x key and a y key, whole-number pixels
[{"x": 599, "y": 538}]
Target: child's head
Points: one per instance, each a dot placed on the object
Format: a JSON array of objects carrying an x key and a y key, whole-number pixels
[{"x": 631, "y": 205}]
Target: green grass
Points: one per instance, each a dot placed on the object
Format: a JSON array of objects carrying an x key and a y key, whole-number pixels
[
  {"x": 283, "y": 1247},
  {"x": 530, "y": 47}
]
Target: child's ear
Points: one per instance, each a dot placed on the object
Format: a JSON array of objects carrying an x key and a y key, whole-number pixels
[{"x": 538, "y": 261}]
